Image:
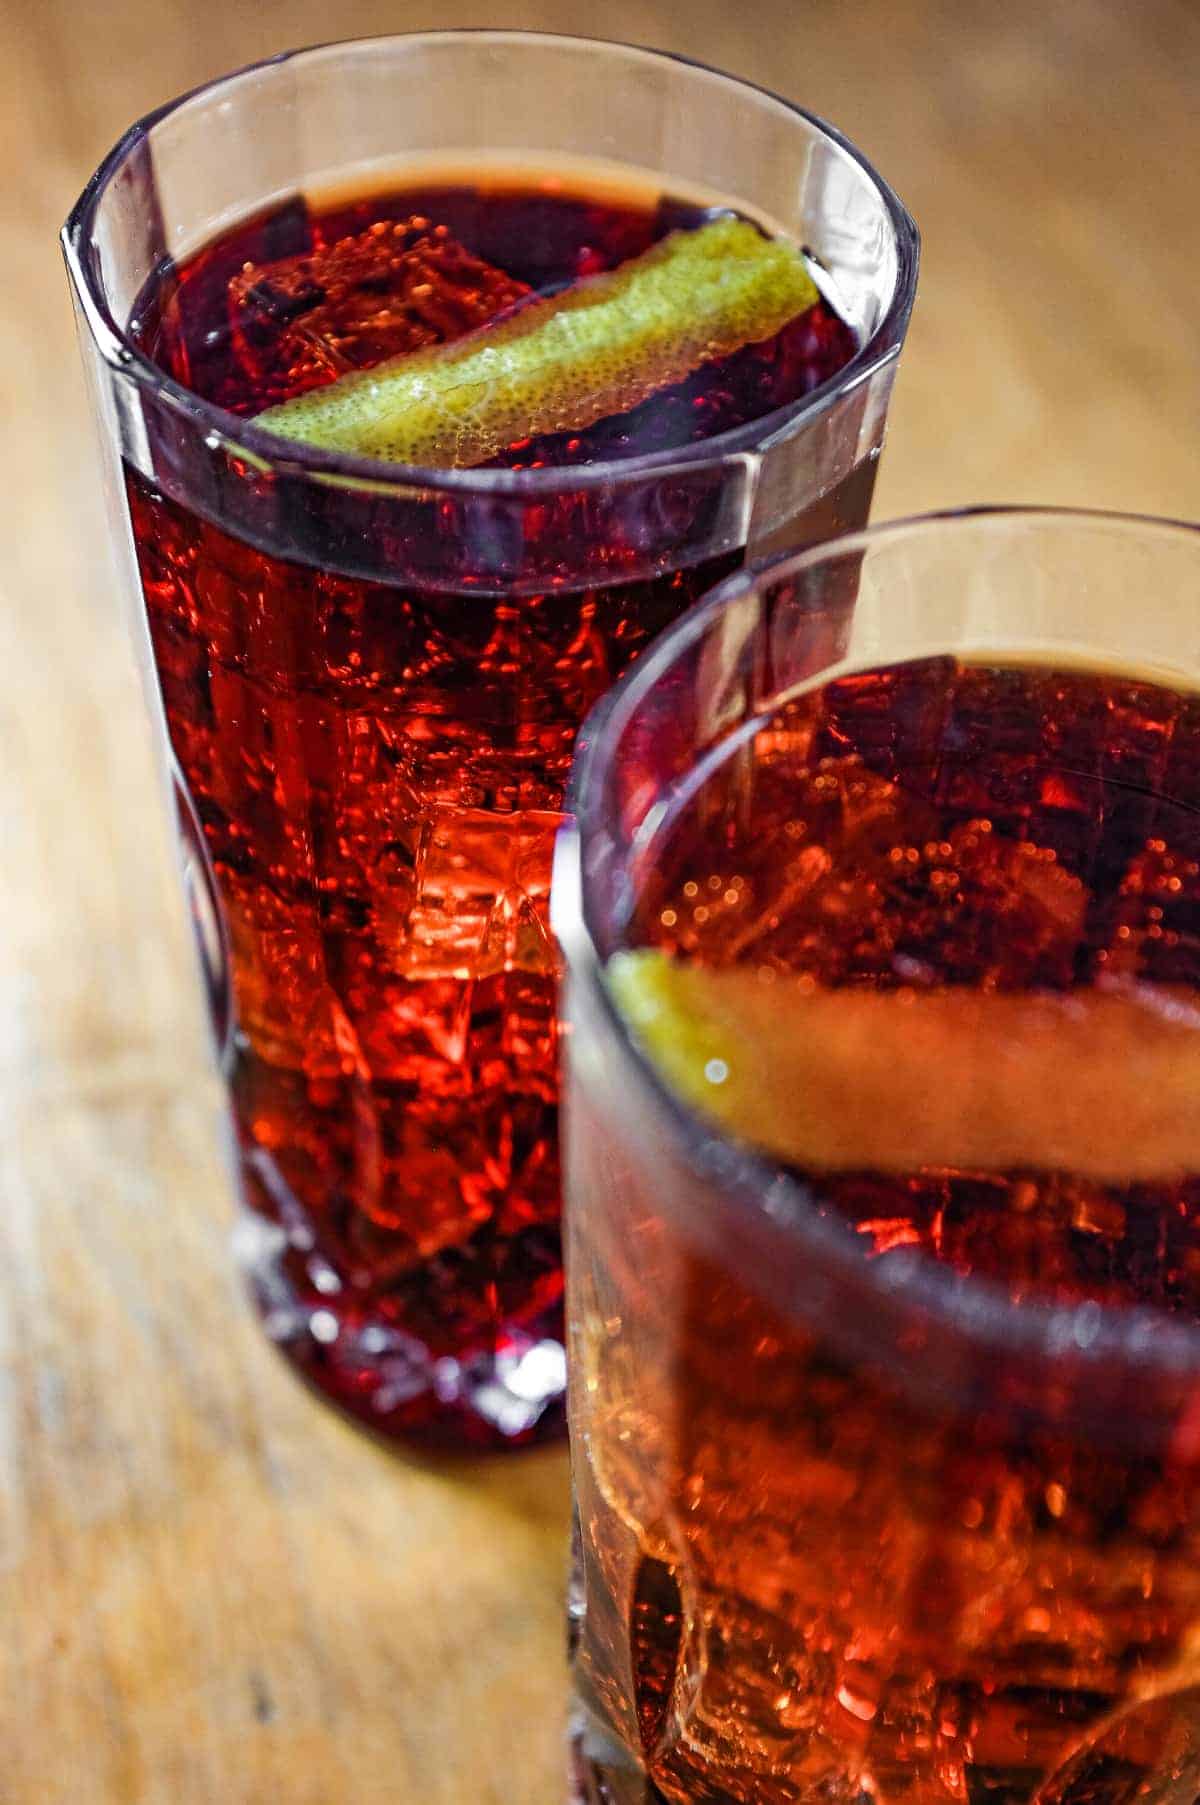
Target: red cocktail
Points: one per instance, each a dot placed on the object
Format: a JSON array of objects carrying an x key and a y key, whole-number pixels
[
  {"x": 883, "y": 936},
  {"x": 372, "y": 673}
]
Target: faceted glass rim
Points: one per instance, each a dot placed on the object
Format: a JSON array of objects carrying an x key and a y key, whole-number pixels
[
  {"x": 1140, "y": 1338},
  {"x": 269, "y": 452}
]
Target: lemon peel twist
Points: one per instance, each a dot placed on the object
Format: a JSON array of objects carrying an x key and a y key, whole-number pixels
[
  {"x": 1101, "y": 1082},
  {"x": 559, "y": 365}
]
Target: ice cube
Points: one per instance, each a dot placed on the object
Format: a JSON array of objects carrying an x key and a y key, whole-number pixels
[{"x": 400, "y": 286}]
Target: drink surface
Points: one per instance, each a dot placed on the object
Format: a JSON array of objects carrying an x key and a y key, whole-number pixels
[
  {"x": 377, "y": 770},
  {"x": 808, "y": 1571},
  {"x": 297, "y": 297}
]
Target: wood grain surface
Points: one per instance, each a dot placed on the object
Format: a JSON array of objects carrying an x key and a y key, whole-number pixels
[{"x": 210, "y": 1589}]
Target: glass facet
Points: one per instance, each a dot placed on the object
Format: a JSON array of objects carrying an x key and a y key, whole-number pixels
[
  {"x": 369, "y": 678},
  {"x": 885, "y": 1448}
]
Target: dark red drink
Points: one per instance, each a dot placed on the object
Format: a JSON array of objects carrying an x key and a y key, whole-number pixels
[
  {"x": 435, "y": 375},
  {"x": 377, "y": 769}
]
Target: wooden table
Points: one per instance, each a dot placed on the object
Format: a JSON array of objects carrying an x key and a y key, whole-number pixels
[{"x": 211, "y": 1591}]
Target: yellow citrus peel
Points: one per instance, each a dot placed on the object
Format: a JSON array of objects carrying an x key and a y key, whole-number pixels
[
  {"x": 561, "y": 364},
  {"x": 1104, "y": 1083}
]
